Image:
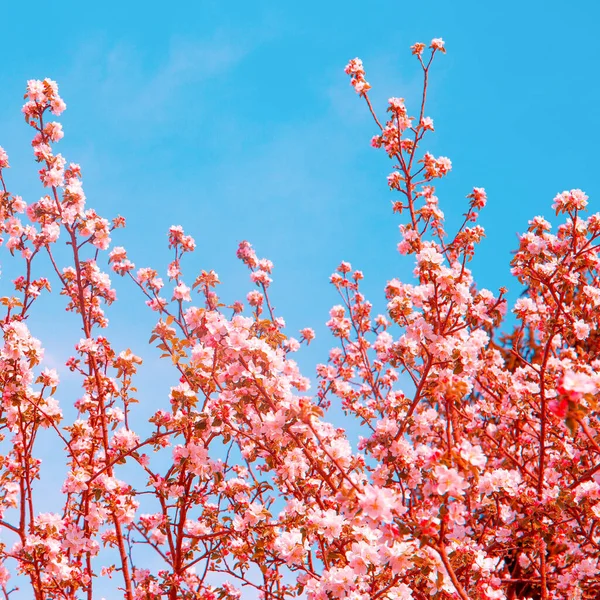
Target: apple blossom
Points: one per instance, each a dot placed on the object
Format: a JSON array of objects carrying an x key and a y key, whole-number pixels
[{"x": 475, "y": 476}]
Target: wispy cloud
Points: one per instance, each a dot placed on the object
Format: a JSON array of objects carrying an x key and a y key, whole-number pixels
[{"x": 128, "y": 83}]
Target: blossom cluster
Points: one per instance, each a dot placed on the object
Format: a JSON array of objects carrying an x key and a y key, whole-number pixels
[{"x": 476, "y": 475}]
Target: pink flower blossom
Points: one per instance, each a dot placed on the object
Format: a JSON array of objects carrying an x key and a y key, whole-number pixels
[
  {"x": 54, "y": 131},
  {"x": 53, "y": 177},
  {"x": 576, "y": 384},
  {"x": 3, "y": 158},
  {"x": 380, "y": 504},
  {"x": 449, "y": 481},
  {"x": 182, "y": 292},
  {"x": 291, "y": 546},
  {"x": 438, "y": 44}
]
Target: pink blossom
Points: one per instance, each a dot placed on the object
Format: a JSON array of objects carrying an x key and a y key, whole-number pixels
[
  {"x": 57, "y": 106},
  {"x": 291, "y": 546},
  {"x": 174, "y": 271},
  {"x": 53, "y": 177},
  {"x": 430, "y": 256},
  {"x": 473, "y": 454},
  {"x": 3, "y": 158},
  {"x": 438, "y": 44},
  {"x": 354, "y": 67},
  {"x": 182, "y": 292},
  {"x": 18, "y": 204},
  {"x": 261, "y": 277},
  {"x": 576, "y": 384},
  {"x": 255, "y": 298},
  {"x": 478, "y": 197},
  {"x": 570, "y": 200},
  {"x": 308, "y": 334},
  {"x": 449, "y": 481},
  {"x": 124, "y": 439},
  {"x": 380, "y": 503},
  {"x": 417, "y": 48},
  {"x": 328, "y": 522},
  {"x": 35, "y": 91},
  {"x": 582, "y": 329},
  {"x": 427, "y": 124},
  {"x": 54, "y": 131},
  {"x": 49, "y": 377}
]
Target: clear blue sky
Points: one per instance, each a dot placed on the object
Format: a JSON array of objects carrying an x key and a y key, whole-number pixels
[{"x": 236, "y": 120}]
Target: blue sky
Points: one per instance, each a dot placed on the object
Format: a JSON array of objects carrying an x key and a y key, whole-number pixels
[{"x": 236, "y": 120}]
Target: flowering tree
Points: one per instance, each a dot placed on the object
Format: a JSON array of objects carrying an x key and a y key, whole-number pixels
[{"x": 481, "y": 479}]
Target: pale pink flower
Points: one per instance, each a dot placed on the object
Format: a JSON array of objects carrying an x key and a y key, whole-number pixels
[
  {"x": 194, "y": 317},
  {"x": 328, "y": 522},
  {"x": 182, "y": 292},
  {"x": 255, "y": 298},
  {"x": 3, "y": 158},
  {"x": 261, "y": 277},
  {"x": 57, "y": 106},
  {"x": 570, "y": 200},
  {"x": 493, "y": 593},
  {"x": 51, "y": 232},
  {"x": 363, "y": 555},
  {"x": 427, "y": 124},
  {"x": 576, "y": 384},
  {"x": 449, "y": 481},
  {"x": 308, "y": 334},
  {"x": 291, "y": 546},
  {"x": 292, "y": 344},
  {"x": 473, "y": 454},
  {"x": 54, "y": 131},
  {"x": 479, "y": 197},
  {"x": 157, "y": 536},
  {"x": 145, "y": 274},
  {"x": 19, "y": 204},
  {"x": 74, "y": 539},
  {"x": 380, "y": 504},
  {"x": 35, "y": 91},
  {"x": 354, "y": 67},
  {"x": 395, "y": 180},
  {"x": 49, "y": 377},
  {"x": 53, "y": 177},
  {"x": 4, "y": 576},
  {"x": 124, "y": 440},
  {"x": 587, "y": 489},
  {"x": 52, "y": 410},
  {"x": 437, "y": 44},
  {"x": 400, "y": 592},
  {"x": 399, "y": 556},
  {"x": 197, "y": 528},
  {"x": 430, "y": 256},
  {"x": 264, "y": 264},
  {"x": 255, "y": 513},
  {"x": 582, "y": 329},
  {"x": 417, "y": 48},
  {"x": 174, "y": 271},
  {"x": 76, "y": 482}
]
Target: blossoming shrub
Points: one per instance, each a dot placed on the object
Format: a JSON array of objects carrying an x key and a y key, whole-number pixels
[{"x": 482, "y": 481}]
